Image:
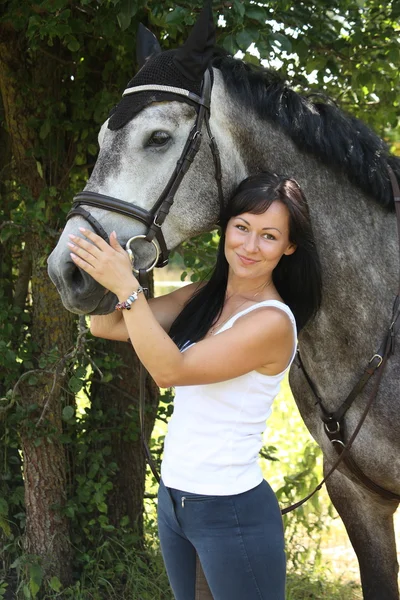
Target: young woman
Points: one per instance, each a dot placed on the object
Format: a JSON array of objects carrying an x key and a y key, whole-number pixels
[{"x": 225, "y": 345}]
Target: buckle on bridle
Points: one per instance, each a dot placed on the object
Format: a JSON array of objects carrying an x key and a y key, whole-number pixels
[
  {"x": 131, "y": 255},
  {"x": 380, "y": 360},
  {"x": 155, "y": 222}
]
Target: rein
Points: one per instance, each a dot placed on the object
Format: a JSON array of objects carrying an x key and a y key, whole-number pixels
[{"x": 333, "y": 421}]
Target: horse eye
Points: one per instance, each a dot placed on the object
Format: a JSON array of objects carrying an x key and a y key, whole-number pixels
[{"x": 158, "y": 138}]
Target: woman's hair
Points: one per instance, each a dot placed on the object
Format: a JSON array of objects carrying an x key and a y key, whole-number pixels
[{"x": 297, "y": 277}]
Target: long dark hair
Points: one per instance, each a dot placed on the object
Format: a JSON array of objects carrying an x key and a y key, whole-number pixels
[{"x": 297, "y": 277}]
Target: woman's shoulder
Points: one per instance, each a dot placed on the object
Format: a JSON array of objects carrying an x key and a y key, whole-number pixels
[{"x": 269, "y": 319}]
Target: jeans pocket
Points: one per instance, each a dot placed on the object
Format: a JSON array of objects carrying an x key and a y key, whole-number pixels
[{"x": 197, "y": 498}]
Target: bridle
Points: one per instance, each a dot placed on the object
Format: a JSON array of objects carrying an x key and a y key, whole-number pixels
[{"x": 155, "y": 217}]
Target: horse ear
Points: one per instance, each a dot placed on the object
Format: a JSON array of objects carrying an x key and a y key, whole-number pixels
[
  {"x": 194, "y": 56},
  {"x": 146, "y": 45}
]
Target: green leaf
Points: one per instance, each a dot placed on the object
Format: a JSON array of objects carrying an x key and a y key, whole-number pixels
[
  {"x": 128, "y": 10},
  {"x": 55, "y": 584},
  {"x": 284, "y": 43},
  {"x": 73, "y": 44},
  {"x": 245, "y": 38},
  {"x": 35, "y": 579},
  {"x": 102, "y": 506},
  {"x": 394, "y": 55},
  {"x": 68, "y": 413},
  {"x": 239, "y": 7},
  {"x": 92, "y": 149},
  {"x": 3, "y": 506},
  {"x": 44, "y": 131},
  {"x": 230, "y": 44},
  {"x": 5, "y": 526},
  {"x": 39, "y": 168},
  {"x": 257, "y": 13},
  {"x": 75, "y": 384},
  {"x": 27, "y": 594},
  {"x": 176, "y": 16},
  {"x": 250, "y": 58}
]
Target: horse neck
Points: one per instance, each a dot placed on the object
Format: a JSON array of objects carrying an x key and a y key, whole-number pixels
[{"x": 356, "y": 238}]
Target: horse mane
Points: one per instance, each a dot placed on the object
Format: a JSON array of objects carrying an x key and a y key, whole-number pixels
[{"x": 318, "y": 128}]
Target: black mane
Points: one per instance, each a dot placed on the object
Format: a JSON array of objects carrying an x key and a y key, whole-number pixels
[{"x": 318, "y": 128}]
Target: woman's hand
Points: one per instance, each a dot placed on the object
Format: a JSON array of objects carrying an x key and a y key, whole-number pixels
[{"x": 108, "y": 264}]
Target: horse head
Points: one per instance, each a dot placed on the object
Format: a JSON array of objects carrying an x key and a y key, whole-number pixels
[{"x": 146, "y": 146}]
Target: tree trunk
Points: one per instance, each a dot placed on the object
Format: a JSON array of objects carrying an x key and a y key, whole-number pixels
[
  {"x": 52, "y": 329},
  {"x": 47, "y": 529},
  {"x": 126, "y": 497},
  {"x": 10, "y": 460}
]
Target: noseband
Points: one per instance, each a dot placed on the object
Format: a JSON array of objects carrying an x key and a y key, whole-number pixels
[{"x": 155, "y": 217}]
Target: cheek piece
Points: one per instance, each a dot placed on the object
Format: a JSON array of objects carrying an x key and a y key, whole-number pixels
[{"x": 155, "y": 217}]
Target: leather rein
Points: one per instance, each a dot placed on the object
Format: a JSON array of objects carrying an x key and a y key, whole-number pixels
[{"x": 154, "y": 218}]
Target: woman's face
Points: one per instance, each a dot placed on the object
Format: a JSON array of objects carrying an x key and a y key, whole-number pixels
[{"x": 254, "y": 244}]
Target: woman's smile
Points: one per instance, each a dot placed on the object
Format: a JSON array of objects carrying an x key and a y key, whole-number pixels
[{"x": 245, "y": 260}]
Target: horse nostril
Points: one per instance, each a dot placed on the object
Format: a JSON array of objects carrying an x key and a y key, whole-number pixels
[
  {"x": 78, "y": 280},
  {"x": 77, "y": 277}
]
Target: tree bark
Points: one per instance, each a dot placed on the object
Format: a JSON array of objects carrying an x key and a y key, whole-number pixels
[
  {"x": 46, "y": 534},
  {"x": 126, "y": 497},
  {"x": 47, "y": 529}
]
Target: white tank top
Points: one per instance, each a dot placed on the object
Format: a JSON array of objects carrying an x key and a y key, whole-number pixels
[{"x": 215, "y": 433}]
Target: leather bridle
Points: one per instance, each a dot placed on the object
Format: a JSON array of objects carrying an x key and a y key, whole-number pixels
[{"x": 155, "y": 217}]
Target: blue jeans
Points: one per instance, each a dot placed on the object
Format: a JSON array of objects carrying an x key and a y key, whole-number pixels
[{"x": 238, "y": 539}]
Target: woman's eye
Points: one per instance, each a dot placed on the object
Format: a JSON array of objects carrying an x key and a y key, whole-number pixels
[
  {"x": 241, "y": 227},
  {"x": 158, "y": 138},
  {"x": 269, "y": 236}
]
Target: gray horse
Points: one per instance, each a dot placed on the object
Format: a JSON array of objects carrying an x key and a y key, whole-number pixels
[{"x": 260, "y": 124}]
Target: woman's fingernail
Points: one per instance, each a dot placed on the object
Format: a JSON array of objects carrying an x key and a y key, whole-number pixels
[
  {"x": 72, "y": 255},
  {"x": 72, "y": 236},
  {"x": 82, "y": 229},
  {"x": 71, "y": 245}
]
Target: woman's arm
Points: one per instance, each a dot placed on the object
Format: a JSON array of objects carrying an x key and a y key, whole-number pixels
[
  {"x": 263, "y": 337},
  {"x": 165, "y": 309}
]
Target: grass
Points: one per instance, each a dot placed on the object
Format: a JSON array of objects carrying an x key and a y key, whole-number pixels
[{"x": 320, "y": 587}]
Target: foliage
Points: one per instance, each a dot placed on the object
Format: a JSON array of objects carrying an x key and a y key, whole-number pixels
[{"x": 69, "y": 63}]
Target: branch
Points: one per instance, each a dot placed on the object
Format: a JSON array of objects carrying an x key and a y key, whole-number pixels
[
  {"x": 10, "y": 224},
  {"x": 22, "y": 283},
  {"x": 7, "y": 407}
]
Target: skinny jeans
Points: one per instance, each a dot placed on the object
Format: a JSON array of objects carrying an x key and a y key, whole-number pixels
[{"x": 238, "y": 539}]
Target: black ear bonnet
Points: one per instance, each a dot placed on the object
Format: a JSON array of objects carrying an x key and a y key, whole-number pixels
[
  {"x": 181, "y": 68},
  {"x": 158, "y": 70}
]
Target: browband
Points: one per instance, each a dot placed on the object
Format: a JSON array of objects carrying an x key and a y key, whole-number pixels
[{"x": 165, "y": 88}]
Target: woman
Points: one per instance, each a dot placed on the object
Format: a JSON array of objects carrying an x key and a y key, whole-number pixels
[{"x": 233, "y": 340}]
